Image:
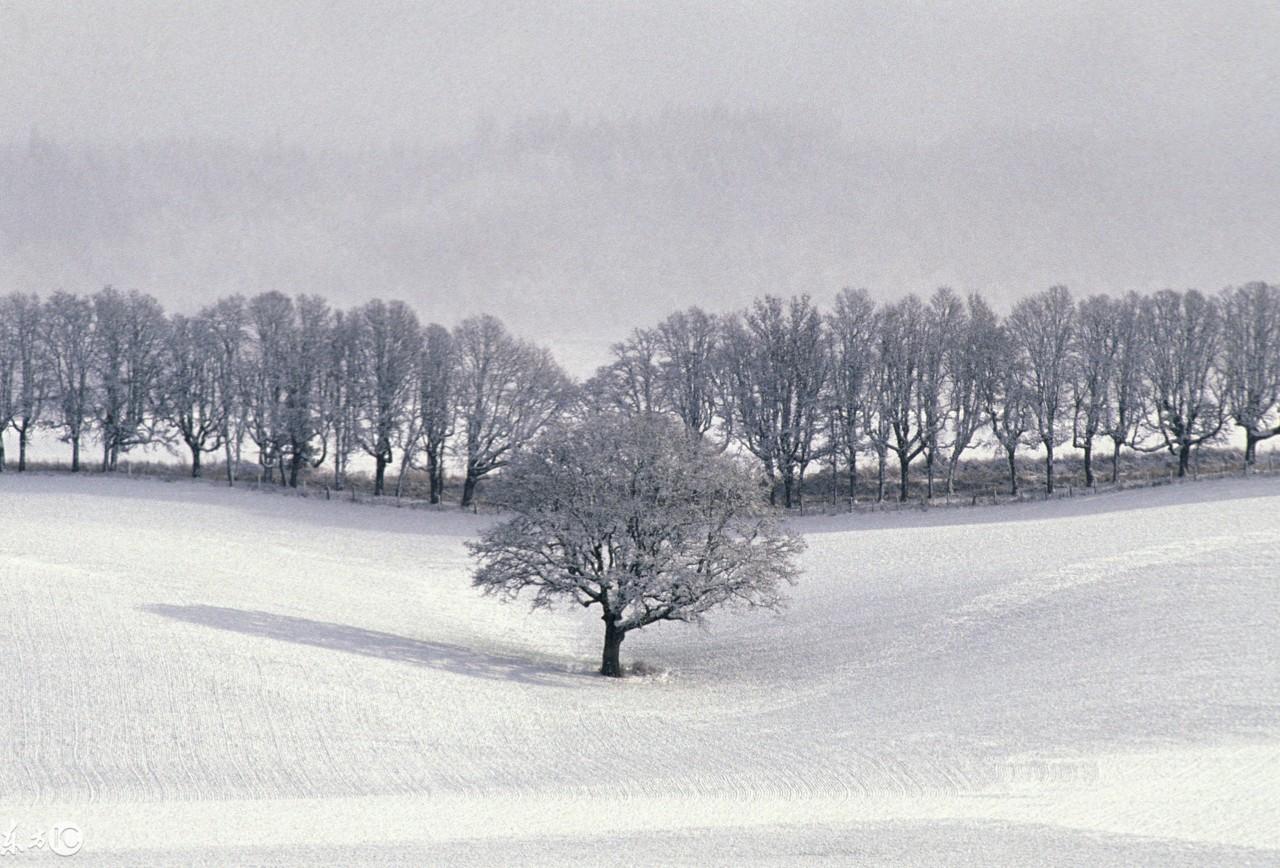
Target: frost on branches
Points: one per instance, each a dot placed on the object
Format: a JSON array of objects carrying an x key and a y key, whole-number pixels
[{"x": 635, "y": 516}]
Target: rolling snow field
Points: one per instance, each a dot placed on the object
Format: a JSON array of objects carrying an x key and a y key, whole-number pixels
[{"x": 196, "y": 675}]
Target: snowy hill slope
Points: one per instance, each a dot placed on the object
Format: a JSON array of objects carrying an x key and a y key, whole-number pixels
[{"x": 195, "y": 674}]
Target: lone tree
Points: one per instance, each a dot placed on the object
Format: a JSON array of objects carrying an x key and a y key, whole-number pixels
[{"x": 638, "y": 517}]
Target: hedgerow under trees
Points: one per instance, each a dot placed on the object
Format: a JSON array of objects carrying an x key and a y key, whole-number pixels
[{"x": 867, "y": 394}]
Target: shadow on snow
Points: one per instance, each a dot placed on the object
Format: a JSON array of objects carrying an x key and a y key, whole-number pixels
[{"x": 357, "y": 640}]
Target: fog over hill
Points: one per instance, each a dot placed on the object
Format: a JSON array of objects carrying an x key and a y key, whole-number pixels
[
  {"x": 583, "y": 169},
  {"x": 576, "y": 232}
]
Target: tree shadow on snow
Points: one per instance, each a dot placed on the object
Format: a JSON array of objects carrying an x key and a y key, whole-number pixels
[{"x": 370, "y": 643}]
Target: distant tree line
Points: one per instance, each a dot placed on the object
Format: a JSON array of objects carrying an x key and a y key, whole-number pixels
[{"x": 301, "y": 386}]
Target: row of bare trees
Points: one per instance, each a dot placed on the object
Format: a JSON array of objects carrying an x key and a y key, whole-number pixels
[
  {"x": 293, "y": 381},
  {"x": 919, "y": 382},
  {"x": 914, "y": 383}
]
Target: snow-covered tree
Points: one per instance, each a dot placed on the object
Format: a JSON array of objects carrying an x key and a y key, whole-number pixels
[{"x": 638, "y": 517}]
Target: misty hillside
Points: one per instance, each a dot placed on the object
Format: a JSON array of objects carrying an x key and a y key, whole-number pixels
[{"x": 576, "y": 232}]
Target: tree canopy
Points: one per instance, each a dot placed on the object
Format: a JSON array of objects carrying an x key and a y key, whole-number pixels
[{"x": 639, "y": 517}]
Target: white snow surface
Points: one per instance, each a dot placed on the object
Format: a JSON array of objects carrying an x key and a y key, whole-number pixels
[{"x": 196, "y": 675}]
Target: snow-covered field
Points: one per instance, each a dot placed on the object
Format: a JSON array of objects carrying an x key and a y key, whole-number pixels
[{"x": 200, "y": 675}]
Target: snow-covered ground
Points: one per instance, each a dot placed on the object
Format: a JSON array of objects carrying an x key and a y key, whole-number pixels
[{"x": 200, "y": 675}]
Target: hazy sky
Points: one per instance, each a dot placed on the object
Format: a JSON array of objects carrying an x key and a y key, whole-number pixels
[
  {"x": 347, "y": 72},
  {"x": 1110, "y": 145}
]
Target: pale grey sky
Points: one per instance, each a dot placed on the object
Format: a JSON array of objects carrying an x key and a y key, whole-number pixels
[
  {"x": 355, "y": 71},
  {"x": 679, "y": 152}
]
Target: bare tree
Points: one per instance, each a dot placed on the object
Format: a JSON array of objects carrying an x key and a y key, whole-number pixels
[
  {"x": 1184, "y": 332},
  {"x": 388, "y": 341},
  {"x": 875, "y": 416},
  {"x": 507, "y": 391},
  {"x": 130, "y": 333},
  {"x": 191, "y": 401},
  {"x": 1126, "y": 388},
  {"x": 1095, "y": 348},
  {"x": 774, "y": 371},
  {"x": 270, "y": 317},
  {"x": 687, "y": 343},
  {"x": 970, "y": 365},
  {"x": 944, "y": 320},
  {"x": 341, "y": 384},
  {"x": 630, "y": 383},
  {"x": 226, "y": 321},
  {"x": 69, "y": 340},
  {"x": 851, "y": 327},
  {"x": 32, "y": 386},
  {"x": 1251, "y": 361},
  {"x": 287, "y": 352},
  {"x": 902, "y": 330},
  {"x": 437, "y": 402},
  {"x": 1042, "y": 326},
  {"x": 637, "y": 517},
  {"x": 8, "y": 373},
  {"x": 1009, "y": 401},
  {"x": 303, "y": 442}
]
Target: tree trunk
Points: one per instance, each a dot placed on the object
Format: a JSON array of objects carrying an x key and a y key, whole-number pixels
[
  {"x": 788, "y": 486},
  {"x": 295, "y": 465},
  {"x": 22, "y": 450},
  {"x": 1, "y": 452},
  {"x": 1184, "y": 459},
  {"x": 106, "y": 455},
  {"x": 1013, "y": 472},
  {"x": 1048, "y": 468},
  {"x": 195, "y": 462},
  {"x": 468, "y": 488},
  {"x": 1115, "y": 463},
  {"x": 853, "y": 477},
  {"x": 610, "y": 663},
  {"x": 1088, "y": 463},
  {"x": 434, "y": 476},
  {"x": 379, "y": 473},
  {"x": 904, "y": 472},
  {"x": 880, "y": 478},
  {"x": 1250, "y": 449},
  {"x": 928, "y": 466},
  {"x": 231, "y": 467},
  {"x": 75, "y": 454}
]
